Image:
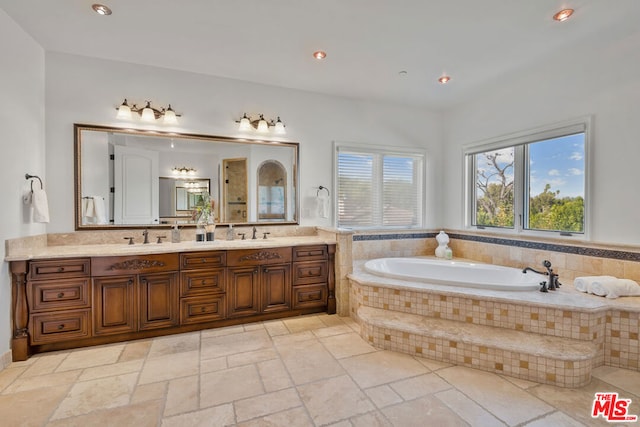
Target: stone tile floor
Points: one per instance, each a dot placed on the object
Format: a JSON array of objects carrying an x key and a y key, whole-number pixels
[{"x": 303, "y": 371}]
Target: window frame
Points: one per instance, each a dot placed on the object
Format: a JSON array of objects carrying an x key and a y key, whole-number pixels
[
  {"x": 519, "y": 140},
  {"x": 377, "y": 150}
]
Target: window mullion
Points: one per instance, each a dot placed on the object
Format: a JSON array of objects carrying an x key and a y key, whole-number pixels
[{"x": 520, "y": 187}]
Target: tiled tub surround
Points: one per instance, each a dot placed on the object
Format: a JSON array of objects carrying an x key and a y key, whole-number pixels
[{"x": 554, "y": 338}]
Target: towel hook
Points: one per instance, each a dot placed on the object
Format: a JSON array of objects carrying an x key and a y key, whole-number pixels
[
  {"x": 27, "y": 176},
  {"x": 322, "y": 188}
]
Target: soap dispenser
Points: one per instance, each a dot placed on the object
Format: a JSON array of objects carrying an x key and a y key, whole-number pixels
[
  {"x": 230, "y": 234},
  {"x": 175, "y": 234}
]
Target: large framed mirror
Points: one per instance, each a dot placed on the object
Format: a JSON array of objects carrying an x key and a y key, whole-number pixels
[{"x": 128, "y": 178}]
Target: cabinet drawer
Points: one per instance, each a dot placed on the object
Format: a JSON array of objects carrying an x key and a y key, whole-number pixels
[
  {"x": 310, "y": 253},
  {"x": 59, "y": 268},
  {"x": 59, "y": 294},
  {"x": 59, "y": 326},
  {"x": 200, "y": 260},
  {"x": 258, "y": 256},
  {"x": 202, "y": 309},
  {"x": 135, "y": 264},
  {"x": 310, "y": 272},
  {"x": 309, "y": 296},
  {"x": 204, "y": 281}
]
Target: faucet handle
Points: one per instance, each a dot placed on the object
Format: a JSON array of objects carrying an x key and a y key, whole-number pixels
[
  {"x": 265, "y": 235},
  {"x": 130, "y": 240},
  {"x": 242, "y": 235},
  {"x": 160, "y": 239}
]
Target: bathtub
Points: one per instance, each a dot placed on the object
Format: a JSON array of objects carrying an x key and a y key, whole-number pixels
[{"x": 455, "y": 273}]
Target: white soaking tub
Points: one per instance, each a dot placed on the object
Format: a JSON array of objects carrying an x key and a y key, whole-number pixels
[{"x": 454, "y": 273}]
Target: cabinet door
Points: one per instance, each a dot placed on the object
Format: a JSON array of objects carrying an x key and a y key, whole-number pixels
[
  {"x": 159, "y": 305},
  {"x": 243, "y": 291},
  {"x": 114, "y": 305},
  {"x": 275, "y": 281}
]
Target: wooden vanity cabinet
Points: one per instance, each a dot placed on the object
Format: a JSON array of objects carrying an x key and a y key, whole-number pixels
[
  {"x": 202, "y": 287},
  {"x": 259, "y": 281},
  {"x": 135, "y": 293},
  {"x": 59, "y": 298},
  {"x": 76, "y": 302}
]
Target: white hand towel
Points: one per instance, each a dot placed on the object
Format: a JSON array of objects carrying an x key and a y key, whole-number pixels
[
  {"x": 600, "y": 285},
  {"x": 615, "y": 288},
  {"x": 40, "y": 205},
  {"x": 582, "y": 283},
  {"x": 100, "y": 213},
  {"x": 88, "y": 209},
  {"x": 324, "y": 204}
]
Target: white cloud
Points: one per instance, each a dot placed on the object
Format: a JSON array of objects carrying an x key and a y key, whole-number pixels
[
  {"x": 575, "y": 156},
  {"x": 554, "y": 172},
  {"x": 574, "y": 171}
]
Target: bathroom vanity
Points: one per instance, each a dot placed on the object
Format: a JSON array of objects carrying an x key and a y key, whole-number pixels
[{"x": 100, "y": 294}]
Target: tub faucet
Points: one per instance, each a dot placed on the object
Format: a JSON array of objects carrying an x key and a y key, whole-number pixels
[{"x": 552, "y": 284}]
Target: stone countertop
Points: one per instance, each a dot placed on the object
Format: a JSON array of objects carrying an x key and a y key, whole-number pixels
[{"x": 124, "y": 249}]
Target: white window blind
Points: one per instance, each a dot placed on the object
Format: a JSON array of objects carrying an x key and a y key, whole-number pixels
[{"x": 378, "y": 188}]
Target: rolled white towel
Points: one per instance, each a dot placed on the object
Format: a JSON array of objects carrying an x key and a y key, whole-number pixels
[
  {"x": 600, "y": 285},
  {"x": 615, "y": 288},
  {"x": 582, "y": 283}
]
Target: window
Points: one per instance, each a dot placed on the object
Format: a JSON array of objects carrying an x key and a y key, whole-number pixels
[
  {"x": 532, "y": 182},
  {"x": 378, "y": 188}
]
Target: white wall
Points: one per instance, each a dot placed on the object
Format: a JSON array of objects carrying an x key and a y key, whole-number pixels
[
  {"x": 21, "y": 143},
  {"x": 603, "y": 82},
  {"x": 85, "y": 90}
]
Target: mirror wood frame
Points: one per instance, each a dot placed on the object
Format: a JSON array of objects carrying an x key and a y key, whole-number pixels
[{"x": 79, "y": 128}]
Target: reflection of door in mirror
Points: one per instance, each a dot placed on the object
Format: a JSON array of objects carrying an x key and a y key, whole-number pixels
[
  {"x": 272, "y": 181},
  {"x": 136, "y": 186},
  {"x": 235, "y": 190}
]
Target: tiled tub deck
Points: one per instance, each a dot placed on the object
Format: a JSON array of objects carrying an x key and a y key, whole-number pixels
[{"x": 555, "y": 338}]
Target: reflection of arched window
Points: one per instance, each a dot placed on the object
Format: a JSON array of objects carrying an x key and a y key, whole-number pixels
[{"x": 272, "y": 190}]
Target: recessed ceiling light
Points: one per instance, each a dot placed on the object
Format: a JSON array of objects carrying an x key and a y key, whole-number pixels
[
  {"x": 402, "y": 73},
  {"x": 444, "y": 79},
  {"x": 319, "y": 54},
  {"x": 563, "y": 15},
  {"x": 101, "y": 9}
]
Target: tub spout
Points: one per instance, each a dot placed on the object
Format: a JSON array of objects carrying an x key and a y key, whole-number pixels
[{"x": 552, "y": 284}]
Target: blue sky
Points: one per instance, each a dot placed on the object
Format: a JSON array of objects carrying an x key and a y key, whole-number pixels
[{"x": 560, "y": 163}]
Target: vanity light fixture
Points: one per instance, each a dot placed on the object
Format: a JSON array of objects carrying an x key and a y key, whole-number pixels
[
  {"x": 101, "y": 9},
  {"x": 563, "y": 15},
  {"x": 148, "y": 113},
  {"x": 183, "y": 171},
  {"x": 260, "y": 124}
]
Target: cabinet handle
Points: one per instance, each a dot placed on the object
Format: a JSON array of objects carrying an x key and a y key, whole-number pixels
[
  {"x": 61, "y": 326},
  {"x": 60, "y": 269},
  {"x": 143, "y": 280},
  {"x": 266, "y": 270},
  {"x": 204, "y": 260},
  {"x": 203, "y": 281},
  {"x": 60, "y": 295},
  {"x": 202, "y": 310},
  {"x": 130, "y": 282}
]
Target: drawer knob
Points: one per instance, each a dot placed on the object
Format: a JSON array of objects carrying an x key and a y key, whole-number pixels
[
  {"x": 202, "y": 310},
  {"x": 61, "y": 326},
  {"x": 203, "y": 281},
  {"x": 60, "y": 295},
  {"x": 60, "y": 269},
  {"x": 204, "y": 260}
]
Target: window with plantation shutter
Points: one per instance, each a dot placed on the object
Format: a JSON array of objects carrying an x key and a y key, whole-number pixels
[{"x": 377, "y": 188}]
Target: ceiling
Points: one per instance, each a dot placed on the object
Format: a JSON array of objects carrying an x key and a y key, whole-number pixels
[{"x": 368, "y": 42}]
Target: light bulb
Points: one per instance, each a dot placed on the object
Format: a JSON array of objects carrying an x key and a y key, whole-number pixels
[
  {"x": 170, "y": 116},
  {"x": 124, "y": 111},
  {"x": 279, "y": 127},
  {"x": 263, "y": 126},
  {"x": 147, "y": 113},
  {"x": 245, "y": 124}
]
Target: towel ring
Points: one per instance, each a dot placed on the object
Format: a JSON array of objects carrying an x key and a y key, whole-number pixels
[
  {"x": 27, "y": 176},
  {"x": 322, "y": 188}
]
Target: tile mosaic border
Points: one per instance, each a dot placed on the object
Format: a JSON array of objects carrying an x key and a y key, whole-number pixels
[
  {"x": 527, "y": 244},
  {"x": 555, "y": 247},
  {"x": 393, "y": 236}
]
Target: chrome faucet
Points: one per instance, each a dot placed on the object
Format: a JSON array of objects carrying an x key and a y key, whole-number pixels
[
  {"x": 145, "y": 233},
  {"x": 253, "y": 237},
  {"x": 552, "y": 283}
]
